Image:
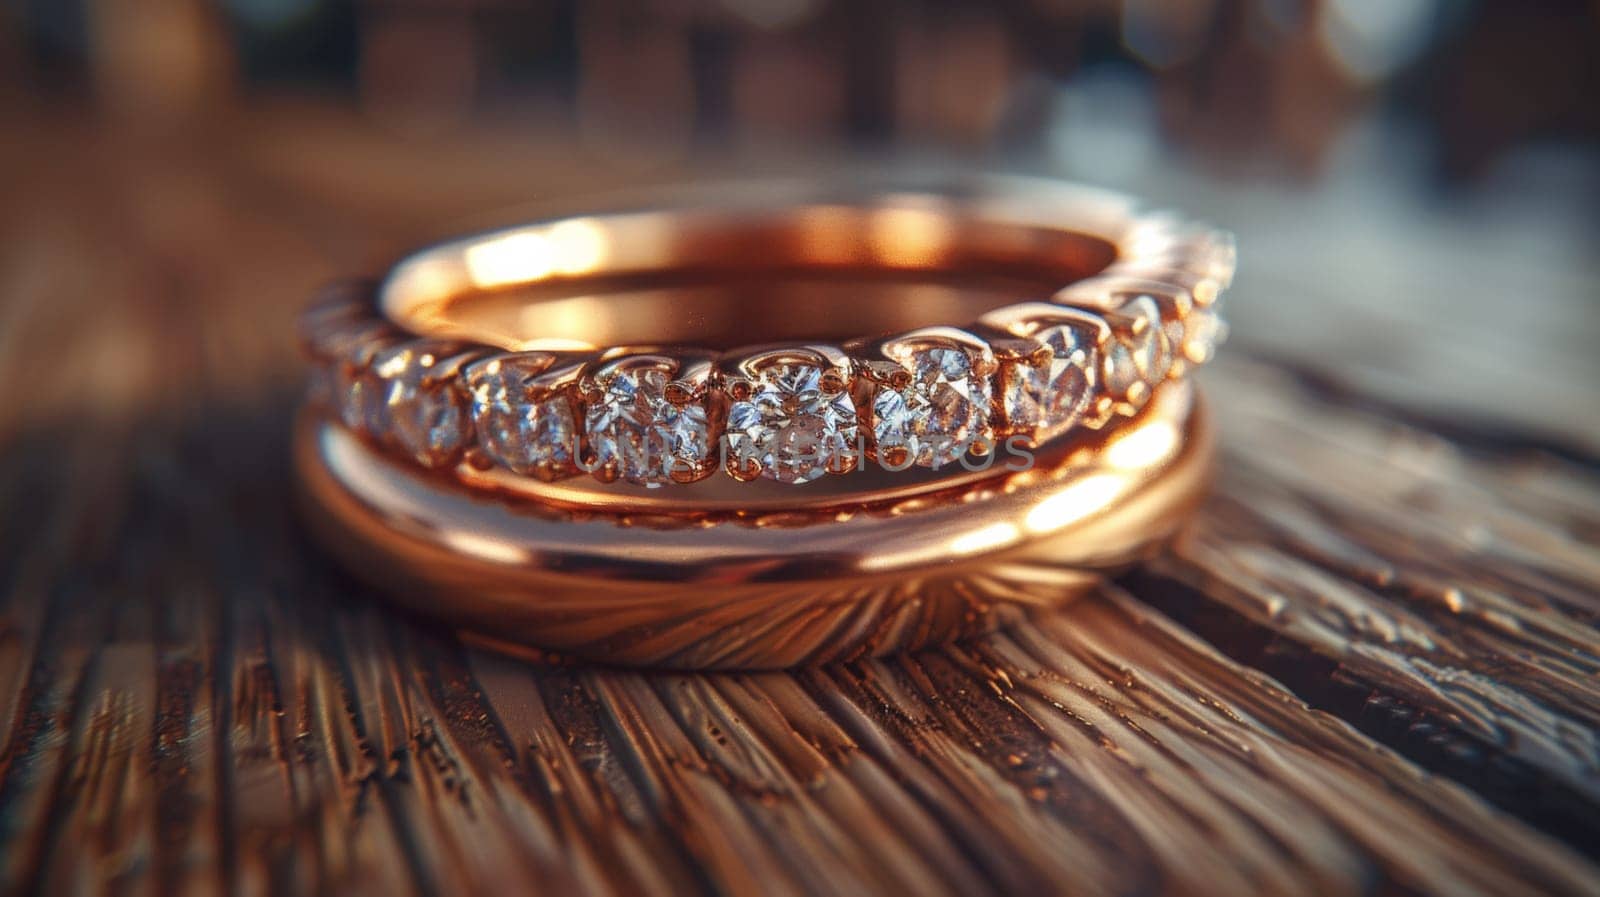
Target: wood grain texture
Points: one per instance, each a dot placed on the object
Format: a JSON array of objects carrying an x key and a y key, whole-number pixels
[{"x": 1370, "y": 668}]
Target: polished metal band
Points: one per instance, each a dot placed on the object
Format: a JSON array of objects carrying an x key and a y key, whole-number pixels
[
  {"x": 511, "y": 350},
  {"x": 862, "y": 575}
]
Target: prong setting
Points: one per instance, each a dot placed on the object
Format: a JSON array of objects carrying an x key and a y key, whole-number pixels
[
  {"x": 1098, "y": 350},
  {"x": 932, "y": 396},
  {"x": 647, "y": 417},
  {"x": 1048, "y": 391},
  {"x": 425, "y": 409},
  {"x": 522, "y": 407},
  {"x": 795, "y": 420}
]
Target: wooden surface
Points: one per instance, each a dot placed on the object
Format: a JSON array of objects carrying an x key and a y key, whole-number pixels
[{"x": 1370, "y": 669}]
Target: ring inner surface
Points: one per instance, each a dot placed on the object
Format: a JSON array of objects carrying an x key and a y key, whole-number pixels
[{"x": 724, "y": 280}]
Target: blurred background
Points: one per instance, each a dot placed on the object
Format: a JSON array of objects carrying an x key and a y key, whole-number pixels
[
  {"x": 1098, "y": 85},
  {"x": 1392, "y": 167}
]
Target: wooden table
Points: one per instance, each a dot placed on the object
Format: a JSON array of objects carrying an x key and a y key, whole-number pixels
[{"x": 1371, "y": 668}]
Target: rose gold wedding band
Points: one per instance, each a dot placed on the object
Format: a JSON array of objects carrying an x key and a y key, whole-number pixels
[
  {"x": 860, "y": 577},
  {"x": 539, "y": 350},
  {"x": 460, "y": 401}
]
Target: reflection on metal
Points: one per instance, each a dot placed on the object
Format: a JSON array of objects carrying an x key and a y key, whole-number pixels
[{"x": 681, "y": 578}]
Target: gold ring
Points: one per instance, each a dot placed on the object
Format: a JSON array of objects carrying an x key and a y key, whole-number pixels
[
  {"x": 864, "y": 575},
  {"x": 559, "y": 348},
  {"x": 989, "y": 457}
]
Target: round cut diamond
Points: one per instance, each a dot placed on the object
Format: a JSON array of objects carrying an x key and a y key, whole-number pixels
[
  {"x": 647, "y": 437},
  {"x": 361, "y": 402},
  {"x": 937, "y": 416},
  {"x": 427, "y": 419},
  {"x": 1136, "y": 363},
  {"x": 430, "y": 424},
  {"x": 1050, "y": 398},
  {"x": 790, "y": 426},
  {"x": 524, "y": 434}
]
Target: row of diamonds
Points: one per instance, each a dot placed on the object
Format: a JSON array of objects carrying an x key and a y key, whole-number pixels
[{"x": 930, "y": 397}]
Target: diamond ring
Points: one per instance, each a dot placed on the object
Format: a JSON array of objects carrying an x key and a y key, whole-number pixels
[
  {"x": 583, "y": 434},
  {"x": 536, "y": 351}
]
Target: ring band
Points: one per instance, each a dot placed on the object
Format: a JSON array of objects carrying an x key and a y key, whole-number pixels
[
  {"x": 534, "y": 351},
  {"x": 763, "y": 591},
  {"x": 461, "y": 398}
]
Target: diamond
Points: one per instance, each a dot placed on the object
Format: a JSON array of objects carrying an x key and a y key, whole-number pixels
[
  {"x": 361, "y": 401},
  {"x": 1050, "y": 398},
  {"x": 519, "y": 431},
  {"x": 937, "y": 416},
  {"x": 793, "y": 428},
  {"x": 647, "y": 437},
  {"x": 427, "y": 417},
  {"x": 1138, "y": 361}
]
